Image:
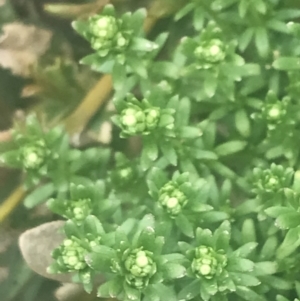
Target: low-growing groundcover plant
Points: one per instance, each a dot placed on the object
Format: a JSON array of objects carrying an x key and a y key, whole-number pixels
[{"x": 197, "y": 197}]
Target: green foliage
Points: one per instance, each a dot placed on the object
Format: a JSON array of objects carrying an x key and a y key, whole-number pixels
[{"x": 197, "y": 196}]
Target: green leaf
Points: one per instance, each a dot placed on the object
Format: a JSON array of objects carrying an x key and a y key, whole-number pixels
[
  {"x": 92, "y": 225},
  {"x": 229, "y": 148},
  {"x": 165, "y": 120},
  {"x": 97, "y": 63},
  {"x": 145, "y": 161},
  {"x": 277, "y": 211},
  {"x": 281, "y": 298},
  {"x": 277, "y": 25},
  {"x": 210, "y": 85},
  {"x": 248, "y": 231},
  {"x": 103, "y": 290},
  {"x": 189, "y": 132},
  {"x": 265, "y": 268},
  {"x": 183, "y": 112},
  {"x": 222, "y": 236},
  {"x": 82, "y": 27},
  {"x": 150, "y": 294},
  {"x": 242, "y": 122},
  {"x": 119, "y": 76},
  {"x": 289, "y": 244},
  {"x": 269, "y": 248},
  {"x": 11, "y": 158},
  {"x": 288, "y": 220},
  {"x": 245, "y": 39},
  {"x": 144, "y": 45},
  {"x": 173, "y": 271},
  {"x": 165, "y": 292},
  {"x": 39, "y": 195},
  {"x": 243, "y": 8},
  {"x": 278, "y": 283},
  {"x": 100, "y": 258},
  {"x": 199, "y": 18},
  {"x": 287, "y": 14},
  {"x": 132, "y": 293},
  {"x": 287, "y": 63},
  {"x": 184, "y": 11},
  {"x": 138, "y": 66},
  {"x": 262, "y": 41},
  {"x": 199, "y": 207},
  {"x": 245, "y": 250},
  {"x": 147, "y": 239},
  {"x": 248, "y": 294},
  {"x": 71, "y": 229},
  {"x": 237, "y": 264},
  {"x": 169, "y": 152},
  {"x": 190, "y": 291},
  {"x": 115, "y": 287},
  {"x": 204, "y": 155},
  {"x": 214, "y": 216},
  {"x": 242, "y": 279},
  {"x": 150, "y": 148},
  {"x": 205, "y": 237},
  {"x": 184, "y": 225}
]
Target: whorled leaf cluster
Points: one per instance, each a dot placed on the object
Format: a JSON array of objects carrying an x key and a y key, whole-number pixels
[{"x": 208, "y": 208}]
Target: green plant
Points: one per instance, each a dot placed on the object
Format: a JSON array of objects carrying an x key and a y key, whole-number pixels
[{"x": 196, "y": 197}]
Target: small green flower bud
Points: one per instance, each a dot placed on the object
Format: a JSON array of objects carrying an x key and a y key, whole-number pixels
[
  {"x": 133, "y": 121},
  {"x": 152, "y": 118},
  {"x": 271, "y": 181},
  {"x": 211, "y": 52},
  {"x": 140, "y": 265},
  {"x": 105, "y": 34},
  {"x": 33, "y": 156},
  {"x": 78, "y": 210},
  {"x": 104, "y": 27},
  {"x": 71, "y": 256},
  {"x": 165, "y": 86},
  {"x": 207, "y": 262},
  {"x": 172, "y": 199}
]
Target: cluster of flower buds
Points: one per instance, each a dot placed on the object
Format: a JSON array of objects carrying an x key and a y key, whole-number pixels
[
  {"x": 210, "y": 52},
  {"x": 271, "y": 181},
  {"x": 140, "y": 266},
  {"x": 70, "y": 256},
  {"x": 208, "y": 49},
  {"x": 106, "y": 35},
  {"x": 276, "y": 113},
  {"x": 207, "y": 262},
  {"x": 172, "y": 198},
  {"x": 33, "y": 155},
  {"x": 78, "y": 210},
  {"x": 135, "y": 120}
]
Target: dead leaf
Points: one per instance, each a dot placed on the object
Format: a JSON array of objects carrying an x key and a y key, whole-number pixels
[
  {"x": 73, "y": 11},
  {"x": 5, "y": 135},
  {"x": 36, "y": 246},
  {"x": 21, "y": 46}
]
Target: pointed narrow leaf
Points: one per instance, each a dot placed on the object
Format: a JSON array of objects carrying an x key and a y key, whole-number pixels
[
  {"x": 173, "y": 271},
  {"x": 39, "y": 195}
]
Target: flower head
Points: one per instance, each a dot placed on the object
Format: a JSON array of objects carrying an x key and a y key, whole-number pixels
[
  {"x": 33, "y": 155},
  {"x": 210, "y": 52},
  {"x": 208, "y": 262},
  {"x": 140, "y": 266},
  {"x": 70, "y": 256},
  {"x": 172, "y": 198}
]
